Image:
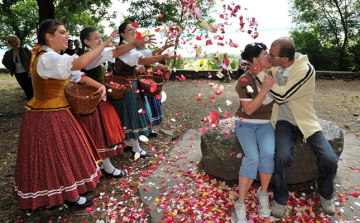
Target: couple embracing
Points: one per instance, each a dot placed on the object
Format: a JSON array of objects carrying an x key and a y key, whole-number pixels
[{"x": 276, "y": 105}]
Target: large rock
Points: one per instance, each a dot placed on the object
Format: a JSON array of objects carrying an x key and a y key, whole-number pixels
[{"x": 218, "y": 157}]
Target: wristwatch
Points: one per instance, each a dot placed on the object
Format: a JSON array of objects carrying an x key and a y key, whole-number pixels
[{"x": 156, "y": 64}]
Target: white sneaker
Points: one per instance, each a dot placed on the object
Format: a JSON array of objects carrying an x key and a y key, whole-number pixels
[
  {"x": 264, "y": 204},
  {"x": 278, "y": 210},
  {"x": 328, "y": 205},
  {"x": 240, "y": 213}
]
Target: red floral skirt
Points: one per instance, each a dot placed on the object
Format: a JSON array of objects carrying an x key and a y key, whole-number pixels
[
  {"x": 55, "y": 160},
  {"x": 105, "y": 129}
]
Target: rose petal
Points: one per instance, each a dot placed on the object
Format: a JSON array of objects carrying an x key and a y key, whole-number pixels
[{"x": 143, "y": 138}]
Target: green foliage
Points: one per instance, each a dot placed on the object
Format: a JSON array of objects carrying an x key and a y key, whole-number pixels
[
  {"x": 178, "y": 63},
  {"x": 234, "y": 64},
  {"x": 214, "y": 64},
  {"x": 18, "y": 18},
  {"x": 21, "y": 18},
  {"x": 328, "y": 32},
  {"x": 145, "y": 12},
  {"x": 79, "y": 14}
]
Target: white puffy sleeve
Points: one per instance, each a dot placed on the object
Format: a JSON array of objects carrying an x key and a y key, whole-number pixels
[
  {"x": 131, "y": 58},
  {"x": 146, "y": 53},
  {"x": 55, "y": 66},
  {"x": 106, "y": 55}
]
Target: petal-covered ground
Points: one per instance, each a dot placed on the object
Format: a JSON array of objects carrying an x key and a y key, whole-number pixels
[{"x": 183, "y": 192}]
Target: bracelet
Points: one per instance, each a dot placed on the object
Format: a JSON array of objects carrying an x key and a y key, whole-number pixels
[{"x": 156, "y": 64}]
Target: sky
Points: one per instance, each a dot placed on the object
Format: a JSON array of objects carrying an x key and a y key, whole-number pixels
[{"x": 272, "y": 17}]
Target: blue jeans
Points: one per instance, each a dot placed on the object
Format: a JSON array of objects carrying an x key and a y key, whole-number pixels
[
  {"x": 285, "y": 138},
  {"x": 258, "y": 144}
]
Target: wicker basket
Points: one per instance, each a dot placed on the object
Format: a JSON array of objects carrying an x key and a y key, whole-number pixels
[
  {"x": 164, "y": 74},
  {"x": 154, "y": 73},
  {"x": 116, "y": 93},
  {"x": 146, "y": 87},
  {"x": 82, "y": 99}
]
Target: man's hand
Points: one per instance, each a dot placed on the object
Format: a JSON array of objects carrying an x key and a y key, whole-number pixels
[{"x": 254, "y": 69}]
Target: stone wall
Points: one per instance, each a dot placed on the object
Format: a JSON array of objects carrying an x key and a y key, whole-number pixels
[
  {"x": 203, "y": 74},
  {"x": 328, "y": 75}
]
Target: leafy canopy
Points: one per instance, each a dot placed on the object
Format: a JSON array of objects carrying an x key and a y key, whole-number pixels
[{"x": 22, "y": 18}]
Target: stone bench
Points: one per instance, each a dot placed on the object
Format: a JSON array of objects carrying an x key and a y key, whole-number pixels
[{"x": 216, "y": 148}]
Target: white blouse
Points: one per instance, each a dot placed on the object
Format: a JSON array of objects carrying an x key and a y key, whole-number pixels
[
  {"x": 55, "y": 66},
  {"x": 105, "y": 55},
  {"x": 131, "y": 58},
  {"x": 146, "y": 53}
]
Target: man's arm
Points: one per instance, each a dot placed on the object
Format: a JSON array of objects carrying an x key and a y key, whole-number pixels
[{"x": 301, "y": 83}]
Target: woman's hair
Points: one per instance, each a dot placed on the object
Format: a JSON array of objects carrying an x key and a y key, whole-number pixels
[
  {"x": 122, "y": 28},
  {"x": 85, "y": 34},
  {"x": 12, "y": 39},
  {"x": 47, "y": 26},
  {"x": 252, "y": 50}
]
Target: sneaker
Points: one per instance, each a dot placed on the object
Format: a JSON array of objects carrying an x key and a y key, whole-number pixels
[
  {"x": 240, "y": 213},
  {"x": 328, "y": 205},
  {"x": 264, "y": 205},
  {"x": 278, "y": 210}
]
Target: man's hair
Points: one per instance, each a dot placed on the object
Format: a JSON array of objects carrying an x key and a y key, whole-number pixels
[{"x": 286, "y": 48}]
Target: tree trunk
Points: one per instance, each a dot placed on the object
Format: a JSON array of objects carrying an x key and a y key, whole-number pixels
[
  {"x": 342, "y": 66},
  {"x": 46, "y": 10}
]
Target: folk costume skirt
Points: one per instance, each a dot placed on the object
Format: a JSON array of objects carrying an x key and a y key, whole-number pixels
[
  {"x": 105, "y": 129},
  {"x": 134, "y": 112},
  {"x": 156, "y": 111},
  {"x": 56, "y": 160}
]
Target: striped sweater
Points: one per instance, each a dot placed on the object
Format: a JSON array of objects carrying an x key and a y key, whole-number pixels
[{"x": 298, "y": 92}]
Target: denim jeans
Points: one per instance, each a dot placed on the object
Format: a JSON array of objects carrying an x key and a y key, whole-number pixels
[
  {"x": 258, "y": 144},
  {"x": 285, "y": 138}
]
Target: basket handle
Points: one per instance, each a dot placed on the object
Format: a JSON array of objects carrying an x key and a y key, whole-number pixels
[
  {"x": 94, "y": 94},
  {"x": 75, "y": 84}
]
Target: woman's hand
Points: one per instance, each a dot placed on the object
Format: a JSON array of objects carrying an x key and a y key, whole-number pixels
[
  {"x": 102, "y": 91},
  {"x": 168, "y": 57},
  {"x": 167, "y": 44},
  {"x": 141, "y": 70},
  {"x": 267, "y": 83},
  {"x": 114, "y": 34},
  {"x": 164, "y": 68},
  {"x": 150, "y": 40}
]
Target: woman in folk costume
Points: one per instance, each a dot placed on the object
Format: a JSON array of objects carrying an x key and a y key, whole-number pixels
[
  {"x": 133, "y": 109},
  {"x": 104, "y": 124},
  {"x": 56, "y": 162},
  {"x": 155, "y": 104}
]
